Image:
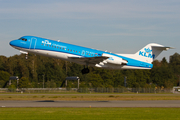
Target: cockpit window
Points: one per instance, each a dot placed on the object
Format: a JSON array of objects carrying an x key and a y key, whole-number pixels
[{"x": 24, "y": 39}]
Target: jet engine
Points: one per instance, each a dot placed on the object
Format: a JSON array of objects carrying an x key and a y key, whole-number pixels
[{"x": 114, "y": 60}]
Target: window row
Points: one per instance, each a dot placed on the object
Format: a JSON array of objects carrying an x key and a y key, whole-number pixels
[{"x": 69, "y": 49}]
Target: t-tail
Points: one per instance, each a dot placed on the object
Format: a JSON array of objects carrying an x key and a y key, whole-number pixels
[{"x": 150, "y": 52}]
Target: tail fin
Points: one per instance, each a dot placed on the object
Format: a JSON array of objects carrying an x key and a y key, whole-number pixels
[{"x": 150, "y": 52}]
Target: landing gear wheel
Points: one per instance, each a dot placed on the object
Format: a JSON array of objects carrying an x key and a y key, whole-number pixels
[{"x": 85, "y": 71}]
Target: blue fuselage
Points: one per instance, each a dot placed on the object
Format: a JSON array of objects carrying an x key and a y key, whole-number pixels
[{"x": 67, "y": 51}]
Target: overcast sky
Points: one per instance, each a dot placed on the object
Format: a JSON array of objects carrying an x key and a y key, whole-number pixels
[{"x": 119, "y": 26}]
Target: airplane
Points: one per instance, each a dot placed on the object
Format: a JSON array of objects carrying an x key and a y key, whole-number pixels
[{"x": 87, "y": 56}]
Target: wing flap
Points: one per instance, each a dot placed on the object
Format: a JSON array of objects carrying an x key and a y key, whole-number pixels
[{"x": 90, "y": 60}]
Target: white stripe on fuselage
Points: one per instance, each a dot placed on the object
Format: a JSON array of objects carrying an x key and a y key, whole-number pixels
[{"x": 55, "y": 54}]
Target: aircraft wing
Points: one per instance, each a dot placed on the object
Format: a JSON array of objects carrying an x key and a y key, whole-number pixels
[{"x": 90, "y": 60}]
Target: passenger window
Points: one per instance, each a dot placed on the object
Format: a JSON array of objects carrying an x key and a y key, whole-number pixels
[{"x": 54, "y": 46}]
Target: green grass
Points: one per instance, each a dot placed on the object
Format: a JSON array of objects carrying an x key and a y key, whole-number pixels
[{"x": 89, "y": 113}]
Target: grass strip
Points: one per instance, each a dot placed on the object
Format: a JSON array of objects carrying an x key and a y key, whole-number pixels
[{"x": 89, "y": 113}]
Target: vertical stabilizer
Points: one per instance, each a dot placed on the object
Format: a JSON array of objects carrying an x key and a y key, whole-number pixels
[{"x": 150, "y": 52}]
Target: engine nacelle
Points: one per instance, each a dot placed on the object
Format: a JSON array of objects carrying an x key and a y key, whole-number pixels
[{"x": 114, "y": 60}]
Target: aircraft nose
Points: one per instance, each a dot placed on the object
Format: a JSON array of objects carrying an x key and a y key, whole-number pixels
[{"x": 13, "y": 43}]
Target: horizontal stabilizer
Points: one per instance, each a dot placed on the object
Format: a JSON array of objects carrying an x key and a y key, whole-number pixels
[{"x": 163, "y": 48}]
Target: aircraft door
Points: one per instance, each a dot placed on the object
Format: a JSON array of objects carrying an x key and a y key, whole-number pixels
[{"x": 33, "y": 43}]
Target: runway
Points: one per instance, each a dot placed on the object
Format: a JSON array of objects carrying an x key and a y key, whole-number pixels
[{"x": 78, "y": 104}]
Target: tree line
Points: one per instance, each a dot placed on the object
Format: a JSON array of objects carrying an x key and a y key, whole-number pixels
[{"x": 37, "y": 71}]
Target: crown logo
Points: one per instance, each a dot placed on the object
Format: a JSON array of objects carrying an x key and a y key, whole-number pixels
[{"x": 147, "y": 50}]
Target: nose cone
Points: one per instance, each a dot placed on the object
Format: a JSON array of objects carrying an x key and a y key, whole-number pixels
[{"x": 13, "y": 43}]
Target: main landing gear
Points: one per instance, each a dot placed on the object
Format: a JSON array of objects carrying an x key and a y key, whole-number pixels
[{"x": 85, "y": 71}]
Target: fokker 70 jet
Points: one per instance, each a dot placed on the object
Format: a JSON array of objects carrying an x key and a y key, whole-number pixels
[{"x": 89, "y": 57}]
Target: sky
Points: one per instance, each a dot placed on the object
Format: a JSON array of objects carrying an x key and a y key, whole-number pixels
[{"x": 118, "y": 26}]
